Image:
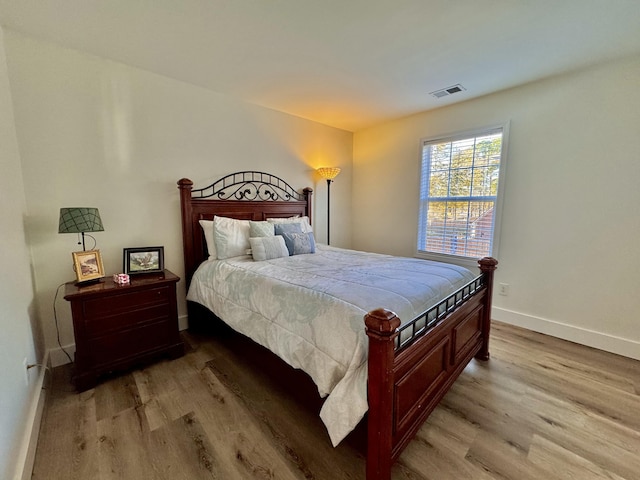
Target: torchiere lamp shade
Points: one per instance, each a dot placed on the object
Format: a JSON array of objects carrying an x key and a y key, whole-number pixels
[
  {"x": 80, "y": 220},
  {"x": 328, "y": 173}
]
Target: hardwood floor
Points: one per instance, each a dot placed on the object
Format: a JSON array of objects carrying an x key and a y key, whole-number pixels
[{"x": 541, "y": 408}]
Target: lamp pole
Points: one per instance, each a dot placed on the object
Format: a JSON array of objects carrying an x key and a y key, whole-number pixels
[
  {"x": 328, "y": 208},
  {"x": 329, "y": 173}
]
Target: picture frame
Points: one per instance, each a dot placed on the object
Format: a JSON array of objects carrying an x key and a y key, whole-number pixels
[
  {"x": 88, "y": 265},
  {"x": 140, "y": 260}
]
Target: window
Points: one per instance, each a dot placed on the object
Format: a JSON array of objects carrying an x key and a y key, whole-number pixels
[{"x": 459, "y": 194}]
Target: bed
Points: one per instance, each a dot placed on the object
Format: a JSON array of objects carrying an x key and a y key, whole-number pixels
[{"x": 407, "y": 366}]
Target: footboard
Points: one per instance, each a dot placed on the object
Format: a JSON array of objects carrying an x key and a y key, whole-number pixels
[{"x": 412, "y": 368}]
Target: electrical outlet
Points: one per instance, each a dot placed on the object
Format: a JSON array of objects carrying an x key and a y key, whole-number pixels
[
  {"x": 25, "y": 369},
  {"x": 503, "y": 289}
]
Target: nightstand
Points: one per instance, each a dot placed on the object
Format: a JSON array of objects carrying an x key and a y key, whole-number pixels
[{"x": 117, "y": 327}]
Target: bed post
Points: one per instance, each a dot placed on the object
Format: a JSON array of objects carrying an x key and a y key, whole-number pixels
[
  {"x": 308, "y": 192},
  {"x": 487, "y": 267},
  {"x": 382, "y": 330},
  {"x": 185, "y": 185}
]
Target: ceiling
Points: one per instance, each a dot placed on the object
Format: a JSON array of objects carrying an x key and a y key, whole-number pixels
[{"x": 344, "y": 63}]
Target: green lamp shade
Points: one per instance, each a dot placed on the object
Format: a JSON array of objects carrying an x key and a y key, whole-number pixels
[{"x": 80, "y": 219}]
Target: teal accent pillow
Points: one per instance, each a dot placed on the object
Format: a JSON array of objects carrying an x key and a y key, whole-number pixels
[
  {"x": 299, "y": 243},
  {"x": 306, "y": 225},
  {"x": 261, "y": 229},
  {"x": 282, "y": 228}
]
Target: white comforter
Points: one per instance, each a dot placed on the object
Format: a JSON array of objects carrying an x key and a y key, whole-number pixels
[{"x": 309, "y": 310}]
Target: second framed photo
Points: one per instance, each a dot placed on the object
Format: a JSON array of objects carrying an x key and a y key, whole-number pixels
[{"x": 143, "y": 260}]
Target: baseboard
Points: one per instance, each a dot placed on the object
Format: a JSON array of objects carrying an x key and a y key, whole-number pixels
[
  {"x": 27, "y": 452},
  {"x": 183, "y": 322},
  {"x": 602, "y": 341}
]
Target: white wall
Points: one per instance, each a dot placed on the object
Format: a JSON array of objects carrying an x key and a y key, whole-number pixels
[
  {"x": 569, "y": 245},
  {"x": 17, "y": 318},
  {"x": 97, "y": 133}
]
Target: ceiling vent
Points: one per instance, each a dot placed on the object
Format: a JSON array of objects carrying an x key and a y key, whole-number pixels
[{"x": 448, "y": 91}]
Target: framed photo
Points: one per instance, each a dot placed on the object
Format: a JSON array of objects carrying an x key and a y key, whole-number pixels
[
  {"x": 88, "y": 265},
  {"x": 143, "y": 260}
]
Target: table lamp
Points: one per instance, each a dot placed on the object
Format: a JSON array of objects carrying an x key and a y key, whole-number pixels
[{"x": 80, "y": 220}]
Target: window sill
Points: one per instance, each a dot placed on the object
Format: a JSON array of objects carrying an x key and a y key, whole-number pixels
[{"x": 466, "y": 262}]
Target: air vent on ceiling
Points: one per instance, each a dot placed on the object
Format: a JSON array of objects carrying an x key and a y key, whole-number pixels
[{"x": 448, "y": 91}]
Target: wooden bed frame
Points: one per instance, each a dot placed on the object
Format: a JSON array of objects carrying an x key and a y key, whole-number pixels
[{"x": 410, "y": 367}]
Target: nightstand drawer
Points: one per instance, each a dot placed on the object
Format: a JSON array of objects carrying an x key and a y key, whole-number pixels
[
  {"x": 124, "y": 302},
  {"x": 121, "y": 346},
  {"x": 96, "y": 326}
]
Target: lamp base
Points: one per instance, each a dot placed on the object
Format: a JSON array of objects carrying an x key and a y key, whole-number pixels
[{"x": 86, "y": 283}]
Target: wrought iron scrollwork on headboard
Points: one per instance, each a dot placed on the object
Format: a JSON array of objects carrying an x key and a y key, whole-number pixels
[{"x": 249, "y": 185}]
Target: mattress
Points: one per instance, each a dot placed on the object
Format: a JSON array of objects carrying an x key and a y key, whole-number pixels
[{"x": 309, "y": 310}]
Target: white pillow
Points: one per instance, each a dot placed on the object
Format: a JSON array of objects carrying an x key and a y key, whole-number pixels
[
  {"x": 231, "y": 237},
  {"x": 266, "y": 248},
  {"x": 304, "y": 221},
  {"x": 207, "y": 228}
]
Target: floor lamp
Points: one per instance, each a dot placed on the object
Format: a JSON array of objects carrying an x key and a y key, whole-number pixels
[{"x": 328, "y": 173}]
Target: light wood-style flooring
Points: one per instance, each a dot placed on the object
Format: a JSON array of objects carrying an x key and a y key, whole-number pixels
[{"x": 541, "y": 408}]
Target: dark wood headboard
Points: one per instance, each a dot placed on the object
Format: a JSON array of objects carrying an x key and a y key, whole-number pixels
[{"x": 243, "y": 195}]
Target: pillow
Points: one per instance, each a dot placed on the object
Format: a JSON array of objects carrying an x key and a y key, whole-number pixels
[
  {"x": 207, "y": 228},
  {"x": 304, "y": 221},
  {"x": 260, "y": 229},
  {"x": 231, "y": 237},
  {"x": 298, "y": 243},
  {"x": 282, "y": 228},
  {"x": 266, "y": 248}
]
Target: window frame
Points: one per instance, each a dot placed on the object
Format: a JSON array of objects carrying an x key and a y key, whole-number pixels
[{"x": 497, "y": 221}]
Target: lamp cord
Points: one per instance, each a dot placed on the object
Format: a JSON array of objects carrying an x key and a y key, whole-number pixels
[{"x": 55, "y": 317}]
